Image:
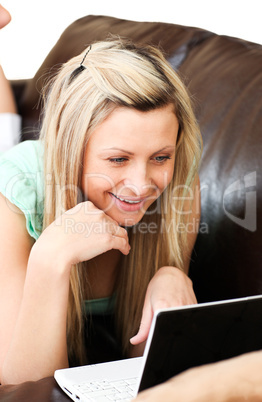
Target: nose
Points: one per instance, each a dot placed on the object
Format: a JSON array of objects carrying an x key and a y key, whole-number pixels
[{"x": 138, "y": 180}]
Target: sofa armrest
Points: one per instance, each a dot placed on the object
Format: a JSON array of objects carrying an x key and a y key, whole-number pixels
[{"x": 18, "y": 87}]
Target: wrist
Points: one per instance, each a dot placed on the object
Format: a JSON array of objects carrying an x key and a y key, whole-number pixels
[
  {"x": 48, "y": 261},
  {"x": 173, "y": 272}
]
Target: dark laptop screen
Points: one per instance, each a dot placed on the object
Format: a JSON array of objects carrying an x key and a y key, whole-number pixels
[{"x": 190, "y": 337}]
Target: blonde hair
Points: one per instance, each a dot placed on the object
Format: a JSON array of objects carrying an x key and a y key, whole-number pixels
[{"x": 117, "y": 73}]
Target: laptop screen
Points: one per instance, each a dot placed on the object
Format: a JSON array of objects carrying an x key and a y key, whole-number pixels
[{"x": 192, "y": 336}]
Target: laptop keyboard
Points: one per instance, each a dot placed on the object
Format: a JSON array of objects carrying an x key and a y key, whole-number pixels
[{"x": 105, "y": 391}]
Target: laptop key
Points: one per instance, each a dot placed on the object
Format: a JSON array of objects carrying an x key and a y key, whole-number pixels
[{"x": 101, "y": 392}]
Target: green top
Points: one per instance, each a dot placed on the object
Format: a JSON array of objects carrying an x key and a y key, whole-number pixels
[
  {"x": 21, "y": 182},
  {"x": 104, "y": 306}
]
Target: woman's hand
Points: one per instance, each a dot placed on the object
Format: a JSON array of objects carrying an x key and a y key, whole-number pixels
[
  {"x": 81, "y": 234},
  {"x": 5, "y": 17},
  {"x": 169, "y": 287},
  {"x": 35, "y": 285}
]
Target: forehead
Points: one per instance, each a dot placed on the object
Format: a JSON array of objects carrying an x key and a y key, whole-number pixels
[{"x": 136, "y": 128}]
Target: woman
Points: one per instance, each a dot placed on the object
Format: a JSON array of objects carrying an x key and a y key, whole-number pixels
[{"x": 96, "y": 211}]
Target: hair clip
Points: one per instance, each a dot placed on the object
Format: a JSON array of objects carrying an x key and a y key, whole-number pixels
[{"x": 79, "y": 69}]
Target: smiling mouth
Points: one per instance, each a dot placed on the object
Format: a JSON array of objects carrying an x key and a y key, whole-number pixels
[{"x": 127, "y": 201}]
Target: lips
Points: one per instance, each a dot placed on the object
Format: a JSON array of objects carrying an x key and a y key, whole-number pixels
[{"x": 128, "y": 204}]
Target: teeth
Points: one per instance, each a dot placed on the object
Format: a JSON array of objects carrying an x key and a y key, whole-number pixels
[{"x": 128, "y": 201}]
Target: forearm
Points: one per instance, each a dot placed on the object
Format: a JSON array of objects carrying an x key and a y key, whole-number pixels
[
  {"x": 239, "y": 379},
  {"x": 7, "y": 100},
  {"x": 38, "y": 338},
  {"x": 235, "y": 380},
  {"x": 38, "y": 345}
]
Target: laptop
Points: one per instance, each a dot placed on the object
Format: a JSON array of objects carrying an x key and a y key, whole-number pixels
[{"x": 179, "y": 338}]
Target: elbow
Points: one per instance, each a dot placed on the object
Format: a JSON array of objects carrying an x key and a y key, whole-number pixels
[{"x": 9, "y": 376}]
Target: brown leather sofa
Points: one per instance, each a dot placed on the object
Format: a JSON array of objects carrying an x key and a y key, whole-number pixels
[{"x": 224, "y": 76}]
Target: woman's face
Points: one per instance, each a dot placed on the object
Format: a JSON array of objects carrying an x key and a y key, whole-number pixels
[{"x": 129, "y": 161}]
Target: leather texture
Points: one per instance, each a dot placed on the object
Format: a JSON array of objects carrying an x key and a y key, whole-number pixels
[
  {"x": 45, "y": 390},
  {"x": 224, "y": 76}
]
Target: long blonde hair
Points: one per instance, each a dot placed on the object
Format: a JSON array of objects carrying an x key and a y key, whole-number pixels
[{"x": 117, "y": 73}]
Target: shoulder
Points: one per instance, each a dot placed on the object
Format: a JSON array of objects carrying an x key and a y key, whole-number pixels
[
  {"x": 21, "y": 182},
  {"x": 27, "y": 155}
]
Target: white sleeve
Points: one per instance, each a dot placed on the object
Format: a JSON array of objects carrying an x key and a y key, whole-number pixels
[{"x": 10, "y": 130}]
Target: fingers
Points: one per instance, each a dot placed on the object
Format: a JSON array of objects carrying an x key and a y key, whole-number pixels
[
  {"x": 118, "y": 237},
  {"x": 145, "y": 323},
  {"x": 5, "y": 17},
  {"x": 91, "y": 232},
  {"x": 143, "y": 332},
  {"x": 148, "y": 311},
  {"x": 121, "y": 244},
  {"x": 113, "y": 228},
  {"x": 169, "y": 287}
]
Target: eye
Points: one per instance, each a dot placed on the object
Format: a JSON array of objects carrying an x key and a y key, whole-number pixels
[
  {"x": 118, "y": 161},
  {"x": 161, "y": 159}
]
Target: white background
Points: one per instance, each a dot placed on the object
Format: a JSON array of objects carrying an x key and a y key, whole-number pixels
[{"x": 37, "y": 24}]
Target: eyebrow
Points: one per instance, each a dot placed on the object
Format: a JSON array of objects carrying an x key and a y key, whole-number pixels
[{"x": 168, "y": 147}]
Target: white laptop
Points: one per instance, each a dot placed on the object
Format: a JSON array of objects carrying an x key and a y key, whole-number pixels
[{"x": 179, "y": 338}]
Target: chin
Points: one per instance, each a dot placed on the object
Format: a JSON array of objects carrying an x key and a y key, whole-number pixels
[{"x": 128, "y": 221}]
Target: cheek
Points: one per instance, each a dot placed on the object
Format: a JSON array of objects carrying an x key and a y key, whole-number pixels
[
  {"x": 96, "y": 183},
  {"x": 165, "y": 178}
]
